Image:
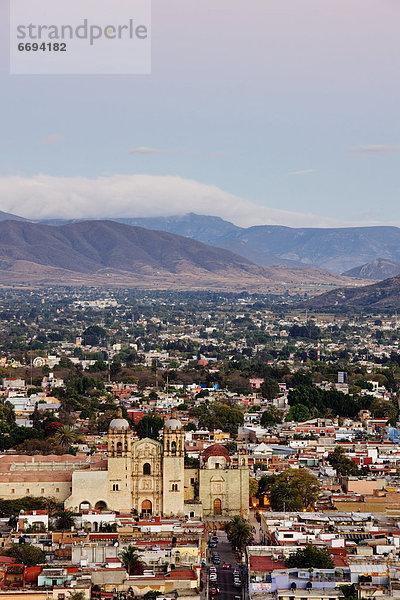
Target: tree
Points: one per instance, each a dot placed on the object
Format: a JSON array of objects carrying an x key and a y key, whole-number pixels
[
  {"x": 7, "y": 414},
  {"x": 220, "y": 416},
  {"x": 65, "y": 520},
  {"x": 27, "y": 503},
  {"x": 239, "y": 532},
  {"x": 93, "y": 335},
  {"x": 151, "y": 595},
  {"x": 65, "y": 436},
  {"x": 291, "y": 490},
  {"x": 349, "y": 591},
  {"x": 271, "y": 417},
  {"x": 342, "y": 464},
  {"x": 253, "y": 487},
  {"x": 270, "y": 388},
  {"x": 310, "y": 557},
  {"x": 26, "y": 554},
  {"x": 36, "y": 446},
  {"x": 298, "y": 413},
  {"x": 131, "y": 560},
  {"x": 190, "y": 427},
  {"x": 322, "y": 401},
  {"x": 283, "y": 497},
  {"x": 307, "y": 486},
  {"x": 76, "y": 595},
  {"x": 149, "y": 426},
  {"x": 231, "y": 447}
]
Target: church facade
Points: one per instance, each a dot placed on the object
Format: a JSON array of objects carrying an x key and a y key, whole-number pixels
[{"x": 149, "y": 477}]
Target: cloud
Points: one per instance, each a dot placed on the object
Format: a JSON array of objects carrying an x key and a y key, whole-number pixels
[
  {"x": 376, "y": 149},
  {"x": 304, "y": 172},
  {"x": 45, "y": 196},
  {"x": 146, "y": 150},
  {"x": 50, "y": 140}
]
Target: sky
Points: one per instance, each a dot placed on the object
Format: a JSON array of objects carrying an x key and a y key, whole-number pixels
[{"x": 258, "y": 111}]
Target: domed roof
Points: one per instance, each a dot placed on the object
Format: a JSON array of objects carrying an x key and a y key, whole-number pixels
[
  {"x": 119, "y": 424},
  {"x": 216, "y": 450},
  {"x": 173, "y": 424}
]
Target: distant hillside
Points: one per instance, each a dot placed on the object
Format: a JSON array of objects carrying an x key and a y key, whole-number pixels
[
  {"x": 198, "y": 227},
  {"x": 377, "y": 269},
  {"x": 214, "y": 231},
  {"x": 106, "y": 252},
  {"x": 4, "y": 216},
  {"x": 382, "y": 295},
  {"x": 334, "y": 249}
]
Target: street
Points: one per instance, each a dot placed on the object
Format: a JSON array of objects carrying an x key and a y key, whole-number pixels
[{"x": 225, "y": 576}]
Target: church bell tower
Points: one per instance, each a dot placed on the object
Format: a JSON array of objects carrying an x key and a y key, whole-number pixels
[
  {"x": 119, "y": 465},
  {"x": 173, "y": 467}
]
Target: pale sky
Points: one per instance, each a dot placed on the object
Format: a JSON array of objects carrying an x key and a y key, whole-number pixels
[{"x": 281, "y": 111}]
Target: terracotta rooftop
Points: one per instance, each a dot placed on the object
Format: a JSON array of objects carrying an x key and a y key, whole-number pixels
[
  {"x": 216, "y": 450},
  {"x": 265, "y": 563},
  {"x": 14, "y": 462},
  {"x": 34, "y": 476},
  {"x": 7, "y": 560},
  {"x": 340, "y": 561}
]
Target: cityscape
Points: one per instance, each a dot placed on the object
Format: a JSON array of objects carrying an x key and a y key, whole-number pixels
[
  {"x": 196, "y": 444},
  {"x": 199, "y": 300}
]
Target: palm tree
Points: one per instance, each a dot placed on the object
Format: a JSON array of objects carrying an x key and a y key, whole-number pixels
[
  {"x": 239, "y": 532},
  {"x": 65, "y": 520},
  {"x": 65, "y": 436},
  {"x": 131, "y": 560}
]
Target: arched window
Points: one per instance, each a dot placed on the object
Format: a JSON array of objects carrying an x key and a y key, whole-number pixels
[
  {"x": 119, "y": 448},
  {"x": 173, "y": 447},
  {"x": 115, "y": 487},
  {"x": 146, "y": 469},
  {"x": 174, "y": 487}
]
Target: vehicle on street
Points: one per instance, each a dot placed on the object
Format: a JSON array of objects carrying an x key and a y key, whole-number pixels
[
  {"x": 214, "y": 591},
  {"x": 227, "y": 566}
]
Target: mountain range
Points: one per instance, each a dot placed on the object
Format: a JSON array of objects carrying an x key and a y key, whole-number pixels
[
  {"x": 335, "y": 249},
  {"x": 107, "y": 252},
  {"x": 380, "y": 268}
]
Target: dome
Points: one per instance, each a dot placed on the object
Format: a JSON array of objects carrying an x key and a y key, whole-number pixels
[
  {"x": 173, "y": 424},
  {"x": 216, "y": 450},
  {"x": 119, "y": 424}
]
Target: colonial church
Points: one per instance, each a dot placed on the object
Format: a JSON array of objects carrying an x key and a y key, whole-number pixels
[{"x": 150, "y": 478}]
